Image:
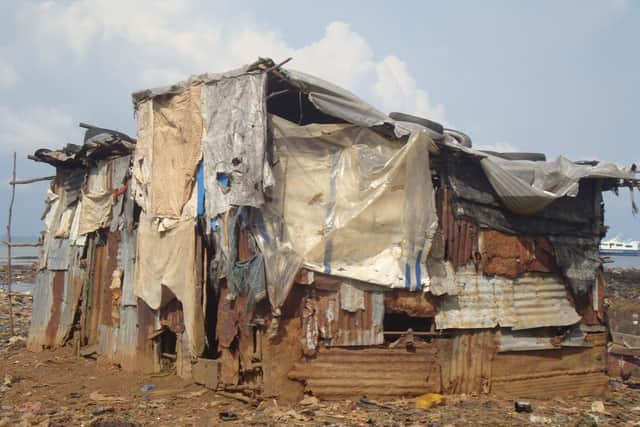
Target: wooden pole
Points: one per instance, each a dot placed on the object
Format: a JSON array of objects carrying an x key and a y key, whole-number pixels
[
  {"x": 31, "y": 180},
  {"x": 10, "y": 277}
]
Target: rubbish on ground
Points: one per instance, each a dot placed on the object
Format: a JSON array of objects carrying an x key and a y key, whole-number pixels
[
  {"x": 426, "y": 401},
  {"x": 32, "y": 407},
  {"x": 99, "y": 397},
  {"x": 147, "y": 387},
  {"x": 523, "y": 406},
  {"x": 309, "y": 400},
  {"x": 228, "y": 416}
]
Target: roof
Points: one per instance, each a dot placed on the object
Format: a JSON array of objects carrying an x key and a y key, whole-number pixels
[{"x": 98, "y": 144}]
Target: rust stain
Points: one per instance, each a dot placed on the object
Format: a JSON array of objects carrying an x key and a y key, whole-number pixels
[
  {"x": 338, "y": 373},
  {"x": 560, "y": 372},
  {"x": 415, "y": 304},
  {"x": 507, "y": 255},
  {"x": 324, "y": 320},
  {"x": 171, "y": 316},
  {"x": 105, "y": 276},
  {"x": 56, "y": 308},
  {"x": 145, "y": 355},
  {"x": 468, "y": 369},
  {"x": 461, "y": 235}
]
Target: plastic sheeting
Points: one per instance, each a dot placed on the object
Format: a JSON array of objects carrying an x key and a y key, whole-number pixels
[
  {"x": 176, "y": 147},
  {"x": 336, "y": 187},
  {"x": 235, "y": 172},
  {"x": 528, "y": 187}
]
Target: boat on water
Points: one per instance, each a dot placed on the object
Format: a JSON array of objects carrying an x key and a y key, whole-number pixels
[{"x": 619, "y": 247}]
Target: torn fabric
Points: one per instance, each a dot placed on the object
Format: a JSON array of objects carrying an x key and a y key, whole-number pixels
[
  {"x": 97, "y": 200},
  {"x": 165, "y": 267}
]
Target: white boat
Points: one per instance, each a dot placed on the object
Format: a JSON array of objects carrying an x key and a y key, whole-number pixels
[{"x": 617, "y": 246}]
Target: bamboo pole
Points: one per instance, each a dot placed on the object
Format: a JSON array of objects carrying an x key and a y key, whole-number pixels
[
  {"x": 9, "y": 245},
  {"x": 30, "y": 180},
  {"x": 22, "y": 245}
]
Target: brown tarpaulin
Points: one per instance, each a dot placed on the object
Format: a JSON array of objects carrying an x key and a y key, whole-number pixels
[{"x": 177, "y": 139}]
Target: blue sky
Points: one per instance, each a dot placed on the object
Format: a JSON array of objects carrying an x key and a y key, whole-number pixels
[{"x": 560, "y": 77}]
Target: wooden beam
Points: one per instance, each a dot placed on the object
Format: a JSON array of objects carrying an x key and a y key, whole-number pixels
[
  {"x": 10, "y": 272},
  {"x": 30, "y": 180},
  {"x": 22, "y": 245}
]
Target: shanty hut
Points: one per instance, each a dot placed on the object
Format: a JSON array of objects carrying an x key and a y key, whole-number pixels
[{"x": 270, "y": 232}]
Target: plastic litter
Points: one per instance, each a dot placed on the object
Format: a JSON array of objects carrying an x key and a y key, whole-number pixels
[
  {"x": 427, "y": 401},
  {"x": 147, "y": 387},
  {"x": 523, "y": 406}
]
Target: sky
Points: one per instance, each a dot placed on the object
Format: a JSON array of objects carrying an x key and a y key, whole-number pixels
[{"x": 559, "y": 77}]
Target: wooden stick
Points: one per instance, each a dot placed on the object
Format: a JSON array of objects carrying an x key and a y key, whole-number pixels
[
  {"x": 10, "y": 279},
  {"x": 21, "y": 245},
  {"x": 31, "y": 180}
]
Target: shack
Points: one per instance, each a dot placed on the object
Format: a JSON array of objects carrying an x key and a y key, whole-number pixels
[{"x": 272, "y": 233}]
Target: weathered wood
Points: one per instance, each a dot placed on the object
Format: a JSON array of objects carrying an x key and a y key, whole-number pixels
[
  {"x": 15, "y": 181},
  {"x": 22, "y": 245},
  {"x": 10, "y": 273}
]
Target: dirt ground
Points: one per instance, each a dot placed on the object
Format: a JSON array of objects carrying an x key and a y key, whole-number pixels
[{"x": 59, "y": 389}]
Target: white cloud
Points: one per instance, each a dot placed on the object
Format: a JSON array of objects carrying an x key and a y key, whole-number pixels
[
  {"x": 166, "y": 41},
  {"x": 8, "y": 74},
  {"x": 399, "y": 91},
  {"x": 40, "y": 127}
]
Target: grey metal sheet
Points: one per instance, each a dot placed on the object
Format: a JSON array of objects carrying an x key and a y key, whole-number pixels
[
  {"x": 59, "y": 254},
  {"x": 41, "y": 309},
  {"x": 531, "y": 301}
]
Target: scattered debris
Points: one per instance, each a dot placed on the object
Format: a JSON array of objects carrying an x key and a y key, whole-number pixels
[
  {"x": 147, "y": 387},
  {"x": 32, "y": 407},
  {"x": 426, "y": 401},
  {"x": 99, "y": 397},
  {"x": 523, "y": 406},
  {"x": 228, "y": 416}
]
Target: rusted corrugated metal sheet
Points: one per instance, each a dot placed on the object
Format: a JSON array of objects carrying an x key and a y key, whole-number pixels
[
  {"x": 550, "y": 373},
  {"x": 468, "y": 368},
  {"x": 623, "y": 365},
  {"x": 326, "y": 319},
  {"x": 415, "y": 304},
  {"x": 460, "y": 235},
  {"x": 510, "y": 256},
  {"x": 532, "y": 301},
  {"x": 338, "y": 373}
]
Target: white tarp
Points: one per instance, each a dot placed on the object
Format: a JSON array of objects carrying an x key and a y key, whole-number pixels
[{"x": 337, "y": 187}]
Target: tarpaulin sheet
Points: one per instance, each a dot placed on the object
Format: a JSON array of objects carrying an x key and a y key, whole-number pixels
[
  {"x": 338, "y": 186},
  {"x": 167, "y": 259},
  {"x": 527, "y": 187},
  {"x": 235, "y": 172},
  {"x": 176, "y": 147}
]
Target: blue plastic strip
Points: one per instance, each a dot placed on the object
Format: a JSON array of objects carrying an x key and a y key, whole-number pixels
[
  {"x": 407, "y": 276},
  {"x": 200, "y": 188},
  {"x": 419, "y": 270}
]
